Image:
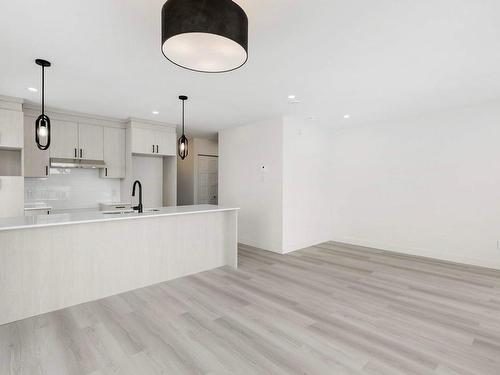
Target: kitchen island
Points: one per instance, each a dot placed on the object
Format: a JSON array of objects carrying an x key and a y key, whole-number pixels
[{"x": 50, "y": 262}]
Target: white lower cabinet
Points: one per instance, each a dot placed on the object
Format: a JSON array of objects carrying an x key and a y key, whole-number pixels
[
  {"x": 11, "y": 196},
  {"x": 114, "y": 153}
]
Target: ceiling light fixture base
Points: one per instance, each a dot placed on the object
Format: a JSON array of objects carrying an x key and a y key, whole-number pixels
[{"x": 43, "y": 63}]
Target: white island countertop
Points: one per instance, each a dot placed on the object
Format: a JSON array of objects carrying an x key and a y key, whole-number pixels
[{"x": 25, "y": 222}]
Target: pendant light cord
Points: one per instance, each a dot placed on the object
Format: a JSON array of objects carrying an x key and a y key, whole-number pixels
[
  {"x": 43, "y": 90},
  {"x": 182, "y": 117}
]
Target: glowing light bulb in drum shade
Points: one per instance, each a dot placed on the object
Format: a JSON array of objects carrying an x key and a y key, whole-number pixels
[
  {"x": 182, "y": 143},
  {"x": 208, "y": 36}
]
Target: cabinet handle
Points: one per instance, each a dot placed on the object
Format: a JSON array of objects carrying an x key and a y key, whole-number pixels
[
  {"x": 75, "y": 153},
  {"x": 157, "y": 149},
  {"x": 81, "y": 153},
  {"x": 46, "y": 170},
  {"x": 106, "y": 172},
  {"x": 153, "y": 149}
]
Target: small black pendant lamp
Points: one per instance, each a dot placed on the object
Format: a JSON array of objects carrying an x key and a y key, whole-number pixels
[
  {"x": 209, "y": 36},
  {"x": 42, "y": 124},
  {"x": 182, "y": 143}
]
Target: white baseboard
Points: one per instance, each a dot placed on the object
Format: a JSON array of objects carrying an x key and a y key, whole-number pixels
[
  {"x": 456, "y": 258},
  {"x": 273, "y": 248}
]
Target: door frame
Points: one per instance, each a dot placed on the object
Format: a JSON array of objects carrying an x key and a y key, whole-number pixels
[{"x": 197, "y": 171}]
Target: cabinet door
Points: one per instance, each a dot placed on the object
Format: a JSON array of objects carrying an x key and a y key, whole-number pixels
[
  {"x": 143, "y": 141},
  {"x": 114, "y": 153},
  {"x": 166, "y": 142},
  {"x": 36, "y": 161},
  {"x": 11, "y": 196},
  {"x": 90, "y": 140},
  {"x": 64, "y": 139},
  {"x": 11, "y": 129}
]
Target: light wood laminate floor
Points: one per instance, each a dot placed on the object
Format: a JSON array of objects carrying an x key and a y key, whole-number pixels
[{"x": 328, "y": 309}]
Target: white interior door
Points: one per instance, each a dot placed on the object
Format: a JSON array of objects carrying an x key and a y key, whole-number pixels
[{"x": 208, "y": 188}]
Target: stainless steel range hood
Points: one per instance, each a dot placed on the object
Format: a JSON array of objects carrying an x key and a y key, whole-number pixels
[{"x": 76, "y": 163}]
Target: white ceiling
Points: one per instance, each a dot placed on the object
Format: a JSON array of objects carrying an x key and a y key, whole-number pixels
[{"x": 371, "y": 59}]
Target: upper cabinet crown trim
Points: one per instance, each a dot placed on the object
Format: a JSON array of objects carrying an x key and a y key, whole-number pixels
[
  {"x": 152, "y": 125},
  {"x": 11, "y": 103}
]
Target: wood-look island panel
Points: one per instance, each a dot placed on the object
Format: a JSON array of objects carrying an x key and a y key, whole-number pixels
[{"x": 48, "y": 268}]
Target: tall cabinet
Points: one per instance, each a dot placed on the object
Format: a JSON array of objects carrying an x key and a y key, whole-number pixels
[{"x": 152, "y": 158}]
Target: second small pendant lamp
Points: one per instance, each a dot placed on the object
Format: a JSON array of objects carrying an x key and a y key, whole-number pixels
[{"x": 182, "y": 143}]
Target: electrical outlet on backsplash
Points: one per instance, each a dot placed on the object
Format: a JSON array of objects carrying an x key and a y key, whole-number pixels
[{"x": 81, "y": 188}]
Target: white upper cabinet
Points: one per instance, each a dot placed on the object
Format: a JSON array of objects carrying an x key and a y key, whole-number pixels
[
  {"x": 143, "y": 141},
  {"x": 90, "y": 141},
  {"x": 76, "y": 141},
  {"x": 114, "y": 153},
  {"x": 64, "y": 139},
  {"x": 11, "y": 129},
  {"x": 166, "y": 143},
  {"x": 153, "y": 140},
  {"x": 36, "y": 161}
]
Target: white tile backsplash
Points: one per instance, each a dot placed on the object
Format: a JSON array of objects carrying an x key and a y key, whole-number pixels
[{"x": 72, "y": 189}]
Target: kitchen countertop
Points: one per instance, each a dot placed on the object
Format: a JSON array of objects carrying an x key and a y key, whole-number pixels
[{"x": 25, "y": 222}]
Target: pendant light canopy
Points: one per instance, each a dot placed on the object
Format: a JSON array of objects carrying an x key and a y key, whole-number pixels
[
  {"x": 208, "y": 36},
  {"x": 182, "y": 143},
  {"x": 42, "y": 124}
]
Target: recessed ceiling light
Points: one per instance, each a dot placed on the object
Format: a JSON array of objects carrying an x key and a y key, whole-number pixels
[
  {"x": 155, "y": 113},
  {"x": 291, "y": 97},
  {"x": 32, "y": 89},
  {"x": 347, "y": 116}
]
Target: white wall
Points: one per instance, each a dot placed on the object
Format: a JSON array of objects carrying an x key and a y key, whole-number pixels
[
  {"x": 306, "y": 183},
  {"x": 429, "y": 185},
  {"x": 187, "y": 169},
  {"x": 243, "y": 183}
]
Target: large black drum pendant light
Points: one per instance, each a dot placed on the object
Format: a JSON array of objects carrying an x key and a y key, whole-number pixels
[
  {"x": 42, "y": 124},
  {"x": 182, "y": 143},
  {"x": 208, "y": 36}
]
